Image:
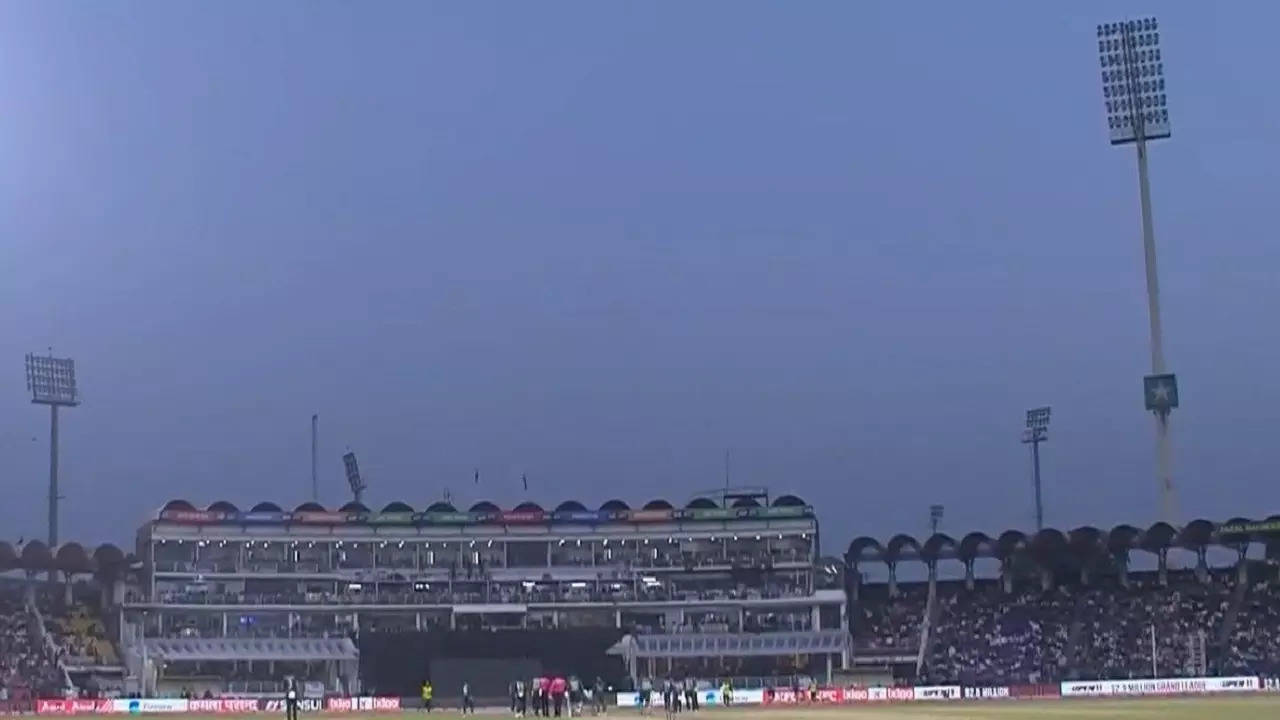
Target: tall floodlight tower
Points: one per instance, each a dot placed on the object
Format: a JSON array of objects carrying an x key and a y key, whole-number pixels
[
  {"x": 1037, "y": 432},
  {"x": 1133, "y": 93},
  {"x": 52, "y": 382}
]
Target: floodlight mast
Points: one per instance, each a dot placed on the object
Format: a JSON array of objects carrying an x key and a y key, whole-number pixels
[
  {"x": 1037, "y": 432},
  {"x": 1133, "y": 91},
  {"x": 52, "y": 382}
]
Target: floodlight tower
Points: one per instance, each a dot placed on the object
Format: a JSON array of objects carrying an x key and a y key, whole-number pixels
[
  {"x": 1037, "y": 432},
  {"x": 935, "y": 517},
  {"x": 1137, "y": 111},
  {"x": 52, "y": 382}
]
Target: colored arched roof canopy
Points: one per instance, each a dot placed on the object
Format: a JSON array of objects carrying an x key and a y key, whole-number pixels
[
  {"x": 1084, "y": 543},
  {"x": 398, "y": 506}
]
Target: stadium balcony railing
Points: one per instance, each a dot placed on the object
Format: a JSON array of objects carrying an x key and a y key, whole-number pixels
[
  {"x": 462, "y": 597},
  {"x": 561, "y": 560}
]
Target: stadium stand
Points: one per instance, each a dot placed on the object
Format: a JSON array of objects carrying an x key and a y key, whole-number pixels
[
  {"x": 1067, "y": 607},
  {"x": 708, "y": 573},
  {"x": 29, "y": 665},
  {"x": 889, "y": 623},
  {"x": 225, "y": 601},
  {"x": 983, "y": 636},
  {"x": 1253, "y": 642}
]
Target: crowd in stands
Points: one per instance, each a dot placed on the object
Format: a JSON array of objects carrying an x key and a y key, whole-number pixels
[
  {"x": 1117, "y": 625},
  {"x": 28, "y": 664},
  {"x": 1191, "y": 624},
  {"x": 1254, "y": 642},
  {"x": 984, "y": 636},
  {"x": 889, "y": 624},
  {"x": 81, "y": 636}
]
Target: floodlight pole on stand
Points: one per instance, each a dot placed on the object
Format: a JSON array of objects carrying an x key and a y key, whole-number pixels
[
  {"x": 53, "y": 477},
  {"x": 1164, "y": 445},
  {"x": 52, "y": 382},
  {"x": 1133, "y": 89},
  {"x": 1037, "y": 432},
  {"x": 1035, "y": 455}
]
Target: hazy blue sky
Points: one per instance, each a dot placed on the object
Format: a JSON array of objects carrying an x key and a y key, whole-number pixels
[{"x": 602, "y": 242}]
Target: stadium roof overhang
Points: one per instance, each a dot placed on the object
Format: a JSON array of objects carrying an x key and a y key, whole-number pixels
[
  {"x": 1081, "y": 545},
  {"x": 222, "y": 649},
  {"x": 731, "y": 644}
]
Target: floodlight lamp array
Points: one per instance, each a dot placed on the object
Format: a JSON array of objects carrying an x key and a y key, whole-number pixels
[{"x": 1133, "y": 84}]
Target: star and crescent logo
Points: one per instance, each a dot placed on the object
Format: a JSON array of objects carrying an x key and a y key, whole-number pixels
[{"x": 1161, "y": 392}]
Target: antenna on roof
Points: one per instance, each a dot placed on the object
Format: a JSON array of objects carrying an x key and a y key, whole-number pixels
[{"x": 315, "y": 483}]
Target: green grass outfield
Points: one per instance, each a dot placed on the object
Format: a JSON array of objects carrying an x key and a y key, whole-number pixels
[{"x": 1252, "y": 707}]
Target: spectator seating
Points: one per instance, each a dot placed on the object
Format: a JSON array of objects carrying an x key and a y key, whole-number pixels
[
  {"x": 889, "y": 624},
  {"x": 28, "y": 666},
  {"x": 82, "y": 637}
]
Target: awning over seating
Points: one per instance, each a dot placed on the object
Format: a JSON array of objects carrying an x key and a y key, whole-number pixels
[
  {"x": 208, "y": 649},
  {"x": 731, "y": 644}
]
